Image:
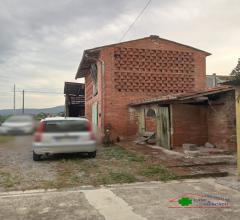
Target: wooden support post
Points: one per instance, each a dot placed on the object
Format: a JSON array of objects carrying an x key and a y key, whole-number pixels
[
  {"x": 141, "y": 121},
  {"x": 66, "y": 105},
  {"x": 159, "y": 126},
  {"x": 238, "y": 130}
]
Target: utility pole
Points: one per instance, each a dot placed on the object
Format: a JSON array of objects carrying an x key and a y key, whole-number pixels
[
  {"x": 23, "y": 102},
  {"x": 14, "y": 99}
]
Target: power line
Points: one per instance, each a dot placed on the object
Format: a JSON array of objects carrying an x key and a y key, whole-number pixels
[
  {"x": 32, "y": 91},
  {"x": 42, "y": 92},
  {"x": 139, "y": 15}
]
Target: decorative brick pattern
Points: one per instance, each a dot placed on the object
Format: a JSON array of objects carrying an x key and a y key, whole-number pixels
[
  {"x": 137, "y": 70},
  {"x": 146, "y": 70}
]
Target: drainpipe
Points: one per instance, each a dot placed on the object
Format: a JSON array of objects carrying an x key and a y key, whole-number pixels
[
  {"x": 103, "y": 88},
  {"x": 103, "y": 92}
]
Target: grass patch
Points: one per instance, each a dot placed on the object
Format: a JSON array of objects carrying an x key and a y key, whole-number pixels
[
  {"x": 113, "y": 165},
  {"x": 122, "y": 177},
  {"x": 8, "y": 180},
  {"x": 117, "y": 177},
  {"x": 158, "y": 172},
  {"x": 45, "y": 184},
  {"x": 4, "y": 139},
  {"x": 122, "y": 154},
  {"x": 76, "y": 171}
]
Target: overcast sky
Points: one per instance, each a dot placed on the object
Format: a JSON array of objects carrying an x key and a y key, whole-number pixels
[{"x": 41, "y": 42}]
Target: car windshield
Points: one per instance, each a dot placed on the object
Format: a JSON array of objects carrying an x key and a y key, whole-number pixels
[
  {"x": 19, "y": 119},
  {"x": 66, "y": 126}
]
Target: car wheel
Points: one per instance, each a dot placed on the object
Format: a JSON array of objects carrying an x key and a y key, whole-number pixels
[
  {"x": 92, "y": 154},
  {"x": 36, "y": 157}
]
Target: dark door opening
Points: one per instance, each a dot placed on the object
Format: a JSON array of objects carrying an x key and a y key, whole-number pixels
[{"x": 74, "y": 99}]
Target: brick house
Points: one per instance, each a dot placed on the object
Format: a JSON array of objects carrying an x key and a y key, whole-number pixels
[
  {"x": 119, "y": 74},
  {"x": 194, "y": 117}
]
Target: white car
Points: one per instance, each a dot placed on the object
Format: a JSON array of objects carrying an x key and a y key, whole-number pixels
[
  {"x": 18, "y": 124},
  {"x": 64, "y": 135}
]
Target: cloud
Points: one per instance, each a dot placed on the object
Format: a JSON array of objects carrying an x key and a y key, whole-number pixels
[{"x": 41, "y": 42}]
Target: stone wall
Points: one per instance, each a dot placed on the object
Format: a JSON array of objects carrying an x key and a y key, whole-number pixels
[{"x": 222, "y": 122}]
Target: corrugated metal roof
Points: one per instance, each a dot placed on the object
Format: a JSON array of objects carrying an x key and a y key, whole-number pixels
[
  {"x": 89, "y": 57},
  {"x": 72, "y": 88},
  {"x": 182, "y": 96}
]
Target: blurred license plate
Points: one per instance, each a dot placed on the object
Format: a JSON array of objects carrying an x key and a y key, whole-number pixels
[
  {"x": 14, "y": 131},
  {"x": 66, "y": 138}
]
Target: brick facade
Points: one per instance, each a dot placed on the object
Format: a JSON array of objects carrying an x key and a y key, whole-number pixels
[
  {"x": 151, "y": 124},
  {"x": 139, "y": 69}
]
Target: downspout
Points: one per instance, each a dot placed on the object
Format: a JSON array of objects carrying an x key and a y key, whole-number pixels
[
  {"x": 103, "y": 93},
  {"x": 103, "y": 88}
]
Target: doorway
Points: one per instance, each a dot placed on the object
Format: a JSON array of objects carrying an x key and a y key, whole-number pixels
[{"x": 164, "y": 126}]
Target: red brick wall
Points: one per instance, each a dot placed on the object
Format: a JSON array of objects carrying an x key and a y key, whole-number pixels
[
  {"x": 200, "y": 124},
  {"x": 88, "y": 96},
  {"x": 222, "y": 122},
  {"x": 150, "y": 124},
  {"x": 189, "y": 123},
  {"x": 143, "y": 69}
]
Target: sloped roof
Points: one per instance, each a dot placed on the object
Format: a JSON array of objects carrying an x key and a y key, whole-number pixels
[
  {"x": 73, "y": 88},
  {"x": 182, "y": 96},
  {"x": 91, "y": 55}
]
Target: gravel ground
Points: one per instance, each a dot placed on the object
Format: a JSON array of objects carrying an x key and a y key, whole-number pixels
[
  {"x": 16, "y": 165},
  {"x": 112, "y": 165}
]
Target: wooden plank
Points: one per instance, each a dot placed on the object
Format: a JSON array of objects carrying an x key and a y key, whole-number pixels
[{"x": 164, "y": 127}]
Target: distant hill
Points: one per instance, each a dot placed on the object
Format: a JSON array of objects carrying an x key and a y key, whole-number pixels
[{"x": 34, "y": 111}]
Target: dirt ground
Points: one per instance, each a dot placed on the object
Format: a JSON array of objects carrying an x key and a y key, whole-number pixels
[
  {"x": 112, "y": 165},
  {"x": 211, "y": 164}
]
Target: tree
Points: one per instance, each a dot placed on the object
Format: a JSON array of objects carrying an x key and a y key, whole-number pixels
[{"x": 236, "y": 71}]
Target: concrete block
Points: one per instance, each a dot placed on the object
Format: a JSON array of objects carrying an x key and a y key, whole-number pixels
[
  {"x": 191, "y": 153},
  {"x": 209, "y": 145},
  {"x": 190, "y": 147}
]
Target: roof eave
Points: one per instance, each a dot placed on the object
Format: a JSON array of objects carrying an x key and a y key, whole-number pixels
[
  {"x": 149, "y": 37},
  {"x": 91, "y": 55},
  {"x": 78, "y": 74},
  {"x": 173, "y": 99}
]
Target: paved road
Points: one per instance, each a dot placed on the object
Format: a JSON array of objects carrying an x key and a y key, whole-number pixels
[{"x": 139, "y": 201}]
